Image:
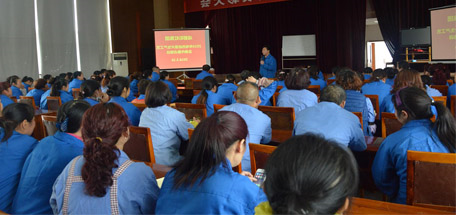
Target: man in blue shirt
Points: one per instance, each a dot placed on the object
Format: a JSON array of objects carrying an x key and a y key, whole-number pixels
[
  {"x": 268, "y": 64},
  {"x": 258, "y": 123},
  {"x": 204, "y": 73},
  {"x": 155, "y": 74},
  {"x": 267, "y": 87},
  {"x": 330, "y": 119},
  {"x": 78, "y": 78}
]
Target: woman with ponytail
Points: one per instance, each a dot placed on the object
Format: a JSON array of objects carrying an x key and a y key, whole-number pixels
[
  {"x": 377, "y": 86},
  {"x": 104, "y": 180},
  {"x": 118, "y": 91},
  {"x": 16, "y": 85},
  {"x": 208, "y": 95},
  {"x": 91, "y": 92},
  {"x": 48, "y": 159},
  {"x": 204, "y": 182},
  {"x": 60, "y": 89},
  {"x": 16, "y": 126},
  {"x": 418, "y": 133},
  {"x": 5, "y": 94}
]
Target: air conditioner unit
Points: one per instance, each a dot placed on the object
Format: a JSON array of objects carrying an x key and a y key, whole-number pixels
[{"x": 120, "y": 63}]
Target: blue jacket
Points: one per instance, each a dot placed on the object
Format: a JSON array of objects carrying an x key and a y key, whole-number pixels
[
  {"x": 26, "y": 86},
  {"x": 297, "y": 99},
  {"x": 130, "y": 109},
  {"x": 269, "y": 68},
  {"x": 134, "y": 87},
  {"x": 75, "y": 83},
  {"x": 389, "y": 169},
  {"x": 5, "y": 100},
  {"x": 266, "y": 94},
  {"x": 258, "y": 124},
  {"x": 91, "y": 101},
  {"x": 356, "y": 102},
  {"x": 155, "y": 77},
  {"x": 43, "y": 100},
  {"x": 172, "y": 88},
  {"x": 319, "y": 81},
  {"x": 16, "y": 92},
  {"x": 390, "y": 81},
  {"x": 226, "y": 91},
  {"x": 451, "y": 92},
  {"x": 36, "y": 94},
  {"x": 64, "y": 97},
  {"x": 377, "y": 88},
  {"x": 202, "y": 75},
  {"x": 13, "y": 153},
  {"x": 212, "y": 98},
  {"x": 224, "y": 192},
  {"x": 41, "y": 168}
]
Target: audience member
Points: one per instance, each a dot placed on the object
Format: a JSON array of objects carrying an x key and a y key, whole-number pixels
[
  {"x": 59, "y": 89},
  {"x": 267, "y": 87},
  {"x": 391, "y": 75},
  {"x": 402, "y": 65},
  {"x": 164, "y": 76},
  {"x": 204, "y": 73},
  {"x": 91, "y": 92},
  {"x": 315, "y": 79},
  {"x": 427, "y": 82},
  {"x": 78, "y": 78},
  {"x": 27, "y": 82},
  {"x": 226, "y": 89},
  {"x": 142, "y": 86},
  {"x": 16, "y": 85},
  {"x": 377, "y": 86},
  {"x": 367, "y": 72},
  {"x": 155, "y": 74},
  {"x": 6, "y": 93},
  {"x": 297, "y": 96},
  {"x": 118, "y": 91},
  {"x": 209, "y": 95},
  {"x": 38, "y": 91}
]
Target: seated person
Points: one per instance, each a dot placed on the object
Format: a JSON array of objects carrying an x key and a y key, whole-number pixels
[
  {"x": 391, "y": 75},
  {"x": 27, "y": 82},
  {"x": 168, "y": 126},
  {"x": 59, "y": 89},
  {"x": 142, "y": 86},
  {"x": 118, "y": 91},
  {"x": 226, "y": 89},
  {"x": 315, "y": 79},
  {"x": 204, "y": 182},
  {"x": 155, "y": 75},
  {"x": 16, "y": 85},
  {"x": 38, "y": 91},
  {"x": 104, "y": 180},
  {"x": 297, "y": 96},
  {"x": 427, "y": 81},
  {"x": 6, "y": 93},
  {"x": 204, "y": 73},
  {"x": 16, "y": 125},
  {"x": 281, "y": 75},
  {"x": 91, "y": 92},
  {"x": 377, "y": 86},
  {"x": 258, "y": 123},
  {"x": 451, "y": 92},
  {"x": 135, "y": 77},
  {"x": 329, "y": 119},
  {"x": 244, "y": 75},
  {"x": 418, "y": 133},
  {"x": 321, "y": 177},
  {"x": 164, "y": 76},
  {"x": 78, "y": 78},
  {"x": 48, "y": 159},
  {"x": 367, "y": 72},
  {"x": 357, "y": 102},
  {"x": 267, "y": 87},
  {"x": 209, "y": 95}
]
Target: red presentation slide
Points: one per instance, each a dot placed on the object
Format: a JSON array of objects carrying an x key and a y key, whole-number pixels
[
  {"x": 443, "y": 25},
  {"x": 180, "y": 49}
]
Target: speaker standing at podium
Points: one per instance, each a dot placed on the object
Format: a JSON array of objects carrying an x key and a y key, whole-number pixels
[{"x": 268, "y": 64}]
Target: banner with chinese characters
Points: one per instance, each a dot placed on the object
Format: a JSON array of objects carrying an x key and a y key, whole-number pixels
[{"x": 201, "y": 5}]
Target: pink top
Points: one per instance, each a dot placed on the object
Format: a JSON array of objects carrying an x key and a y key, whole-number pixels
[{"x": 76, "y": 136}]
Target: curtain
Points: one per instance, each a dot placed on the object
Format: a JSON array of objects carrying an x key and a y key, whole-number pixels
[
  {"x": 93, "y": 35},
  {"x": 18, "y": 54},
  {"x": 393, "y": 15}
]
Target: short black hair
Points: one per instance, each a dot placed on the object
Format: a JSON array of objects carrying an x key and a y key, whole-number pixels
[
  {"x": 47, "y": 77},
  {"x": 333, "y": 93},
  {"x": 297, "y": 79},
  {"x": 245, "y": 74},
  {"x": 157, "y": 94},
  {"x": 76, "y": 74},
  {"x": 367, "y": 70},
  {"x": 142, "y": 85},
  {"x": 116, "y": 86},
  {"x": 163, "y": 74},
  {"x": 403, "y": 65},
  {"x": 206, "y": 67},
  {"x": 268, "y": 47}
]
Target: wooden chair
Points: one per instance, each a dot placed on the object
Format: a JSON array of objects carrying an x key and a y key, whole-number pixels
[
  {"x": 274, "y": 99},
  {"x": 442, "y": 88},
  {"x": 76, "y": 93},
  {"x": 49, "y": 125},
  {"x": 54, "y": 102},
  {"x": 330, "y": 81},
  {"x": 3, "y": 213},
  {"x": 259, "y": 154},
  {"x": 442, "y": 99},
  {"x": 218, "y": 107},
  {"x": 28, "y": 100},
  {"x": 279, "y": 88},
  {"x": 450, "y": 82},
  {"x": 315, "y": 89},
  {"x": 197, "y": 84},
  {"x": 192, "y": 110},
  {"x": 139, "y": 147},
  {"x": 282, "y": 122},
  {"x": 390, "y": 124},
  {"x": 431, "y": 180},
  {"x": 375, "y": 102},
  {"x": 196, "y": 92},
  {"x": 14, "y": 99},
  {"x": 30, "y": 89},
  {"x": 188, "y": 83},
  {"x": 175, "y": 81},
  {"x": 237, "y": 169},
  {"x": 360, "y": 117},
  {"x": 140, "y": 106},
  {"x": 452, "y": 105}
]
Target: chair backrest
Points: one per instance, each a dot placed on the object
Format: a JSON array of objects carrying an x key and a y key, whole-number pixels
[
  {"x": 54, "y": 102},
  {"x": 442, "y": 99},
  {"x": 28, "y": 100},
  {"x": 139, "y": 147},
  {"x": 390, "y": 124},
  {"x": 375, "y": 103},
  {"x": 259, "y": 155},
  {"x": 76, "y": 93},
  {"x": 282, "y": 121},
  {"x": 450, "y": 82},
  {"x": 218, "y": 107},
  {"x": 188, "y": 82},
  {"x": 174, "y": 81},
  {"x": 192, "y": 110},
  {"x": 442, "y": 88},
  {"x": 197, "y": 84},
  {"x": 315, "y": 89},
  {"x": 30, "y": 88},
  {"x": 431, "y": 180},
  {"x": 274, "y": 98},
  {"x": 360, "y": 117},
  {"x": 14, "y": 99},
  {"x": 453, "y": 105},
  {"x": 279, "y": 88},
  {"x": 196, "y": 92},
  {"x": 330, "y": 81},
  {"x": 140, "y": 106},
  {"x": 49, "y": 125}
]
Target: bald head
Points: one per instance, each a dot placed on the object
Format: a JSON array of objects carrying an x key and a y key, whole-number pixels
[{"x": 247, "y": 93}]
